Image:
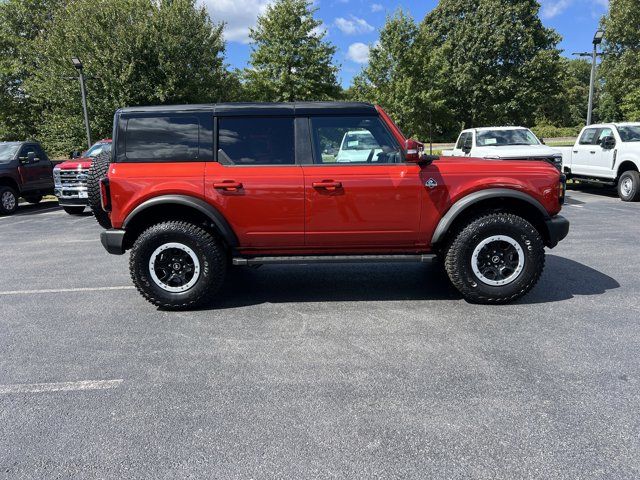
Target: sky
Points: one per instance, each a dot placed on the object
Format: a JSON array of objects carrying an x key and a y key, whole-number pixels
[{"x": 353, "y": 25}]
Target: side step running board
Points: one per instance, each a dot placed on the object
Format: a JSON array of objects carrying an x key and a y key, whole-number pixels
[{"x": 302, "y": 259}]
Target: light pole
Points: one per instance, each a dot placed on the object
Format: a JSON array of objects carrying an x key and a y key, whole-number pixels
[
  {"x": 597, "y": 40},
  {"x": 78, "y": 65}
]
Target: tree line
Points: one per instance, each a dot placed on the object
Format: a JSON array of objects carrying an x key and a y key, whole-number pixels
[{"x": 466, "y": 63}]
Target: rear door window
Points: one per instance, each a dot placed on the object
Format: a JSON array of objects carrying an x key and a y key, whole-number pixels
[
  {"x": 162, "y": 139},
  {"x": 256, "y": 141}
]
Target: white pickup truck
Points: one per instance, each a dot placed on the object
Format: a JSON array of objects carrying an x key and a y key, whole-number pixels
[
  {"x": 503, "y": 143},
  {"x": 607, "y": 153}
]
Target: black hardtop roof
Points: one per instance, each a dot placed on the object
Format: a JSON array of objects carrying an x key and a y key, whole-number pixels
[{"x": 256, "y": 108}]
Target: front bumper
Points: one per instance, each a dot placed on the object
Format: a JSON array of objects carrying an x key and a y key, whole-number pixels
[
  {"x": 113, "y": 241},
  {"x": 557, "y": 229}
]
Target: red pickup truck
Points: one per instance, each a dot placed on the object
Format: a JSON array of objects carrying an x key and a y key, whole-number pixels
[
  {"x": 192, "y": 190},
  {"x": 71, "y": 177}
]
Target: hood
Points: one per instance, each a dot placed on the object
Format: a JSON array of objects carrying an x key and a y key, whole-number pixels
[
  {"x": 516, "y": 151},
  {"x": 76, "y": 163}
]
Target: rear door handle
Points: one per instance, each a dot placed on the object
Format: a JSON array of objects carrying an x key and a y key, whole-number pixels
[
  {"x": 327, "y": 185},
  {"x": 228, "y": 185},
  {"x": 593, "y": 152}
]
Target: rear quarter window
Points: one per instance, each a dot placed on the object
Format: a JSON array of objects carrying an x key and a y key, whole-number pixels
[{"x": 162, "y": 138}]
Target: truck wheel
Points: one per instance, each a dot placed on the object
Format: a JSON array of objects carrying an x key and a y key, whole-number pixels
[
  {"x": 497, "y": 258},
  {"x": 34, "y": 200},
  {"x": 629, "y": 186},
  {"x": 8, "y": 200},
  {"x": 74, "y": 210},
  {"x": 177, "y": 266},
  {"x": 97, "y": 172}
]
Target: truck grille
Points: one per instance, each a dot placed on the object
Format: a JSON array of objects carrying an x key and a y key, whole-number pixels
[{"x": 74, "y": 178}]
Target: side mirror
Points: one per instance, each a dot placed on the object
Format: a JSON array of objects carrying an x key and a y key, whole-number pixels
[
  {"x": 468, "y": 144},
  {"x": 414, "y": 152},
  {"x": 75, "y": 154},
  {"x": 608, "y": 143},
  {"x": 31, "y": 157},
  {"x": 542, "y": 141}
]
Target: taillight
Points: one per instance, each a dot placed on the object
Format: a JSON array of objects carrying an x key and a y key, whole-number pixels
[{"x": 105, "y": 194}]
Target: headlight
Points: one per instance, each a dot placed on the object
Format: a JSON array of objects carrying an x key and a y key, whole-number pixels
[{"x": 56, "y": 177}]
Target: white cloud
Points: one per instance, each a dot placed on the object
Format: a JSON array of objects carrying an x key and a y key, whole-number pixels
[
  {"x": 553, "y": 8},
  {"x": 238, "y": 15},
  {"x": 358, "y": 52},
  {"x": 353, "y": 26},
  {"x": 376, "y": 7}
]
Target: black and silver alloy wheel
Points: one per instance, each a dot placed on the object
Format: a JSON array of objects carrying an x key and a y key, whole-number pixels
[
  {"x": 8, "y": 200},
  {"x": 177, "y": 265},
  {"x": 497, "y": 260},
  {"x": 174, "y": 267}
]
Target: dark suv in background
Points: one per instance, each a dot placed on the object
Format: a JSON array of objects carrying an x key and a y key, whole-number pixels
[{"x": 25, "y": 171}]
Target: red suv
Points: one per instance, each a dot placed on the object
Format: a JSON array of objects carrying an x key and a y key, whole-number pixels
[{"x": 191, "y": 190}]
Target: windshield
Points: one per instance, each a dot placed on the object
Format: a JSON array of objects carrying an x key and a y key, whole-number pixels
[
  {"x": 501, "y": 138},
  {"x": 359, "y": 141},
  {"x": 8, "y": 151},
  {"x": 630, "y": 133},
  {"x": 97, "y": 149}
]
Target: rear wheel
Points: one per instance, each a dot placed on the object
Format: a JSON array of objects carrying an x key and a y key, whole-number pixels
[
  {"x": 35, "y": 199},
  {"x": 98, "y": 171},
  {"x": 497, "y": 258},
  {"x": 74, "y": 210},
  {"x": 177, "y": 265},
  {"x": 629, "y": 186},
  {"x": 8, "y": 200}
]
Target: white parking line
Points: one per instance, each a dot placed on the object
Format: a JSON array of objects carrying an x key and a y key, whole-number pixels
[
  {"x": 38, "y": 212},
  {"x": 60, "y": 387},
  {"x": 65, "y": 290}
]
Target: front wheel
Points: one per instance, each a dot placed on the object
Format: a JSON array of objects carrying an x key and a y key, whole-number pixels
[
  {"x": 629, "y": 186},
  {"x": 8, "y": 201},
  {"x": 496, "y": 258},
  {"x": 177, "y": 265},
  {"x": 74, "y": 210}
]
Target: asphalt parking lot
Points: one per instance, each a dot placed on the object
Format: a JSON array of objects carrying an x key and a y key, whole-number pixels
[{"x": 336, "y": 371}]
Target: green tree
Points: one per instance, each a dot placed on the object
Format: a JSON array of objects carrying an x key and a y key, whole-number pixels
[
  {"x": 500, "y": 62},
  {"x": 567, "y": 107},
  {"x": 21, "y": 22},
  {"x": 620, "y": 67},
  {"x": 135, "y": 52},
  {"x": 395, "y": 79},
  {"x": 290, "y": 60}
]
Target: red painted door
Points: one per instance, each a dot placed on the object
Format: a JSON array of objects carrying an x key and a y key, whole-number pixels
[
  {"x": 256, "y": 183},
  {"x": 368, "y": 206}
]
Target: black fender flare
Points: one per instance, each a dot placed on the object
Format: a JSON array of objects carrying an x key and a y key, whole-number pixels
[
  {"x": 192, "y": 202},
  {"x": 467, "y": 201}
]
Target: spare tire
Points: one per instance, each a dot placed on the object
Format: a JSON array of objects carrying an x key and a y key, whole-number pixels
[{"x": 97, "y": 172}]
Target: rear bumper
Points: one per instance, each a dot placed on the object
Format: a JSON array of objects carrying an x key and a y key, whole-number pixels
[
  {"x": 557, "y": 229},
  {"x": 113, "y": 240}
]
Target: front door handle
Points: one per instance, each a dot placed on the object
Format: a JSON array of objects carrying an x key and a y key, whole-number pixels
[
  {"x": 228, "y": 185},
  {"x": 593, "y": 152},
  {"x": 327, "y": 185}
]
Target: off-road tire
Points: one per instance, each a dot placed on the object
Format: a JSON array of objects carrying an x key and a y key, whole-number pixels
[
  {"x": 34, "y": 200},
  {"x": 634, "y": 194},
  {"x": 458, "y": 260},
  {"x": 6, "y": 193},
  {"x": 210, "y": 254},
  {"x": 97, "y": 172},
  {"x": 74, "y": 210}
]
